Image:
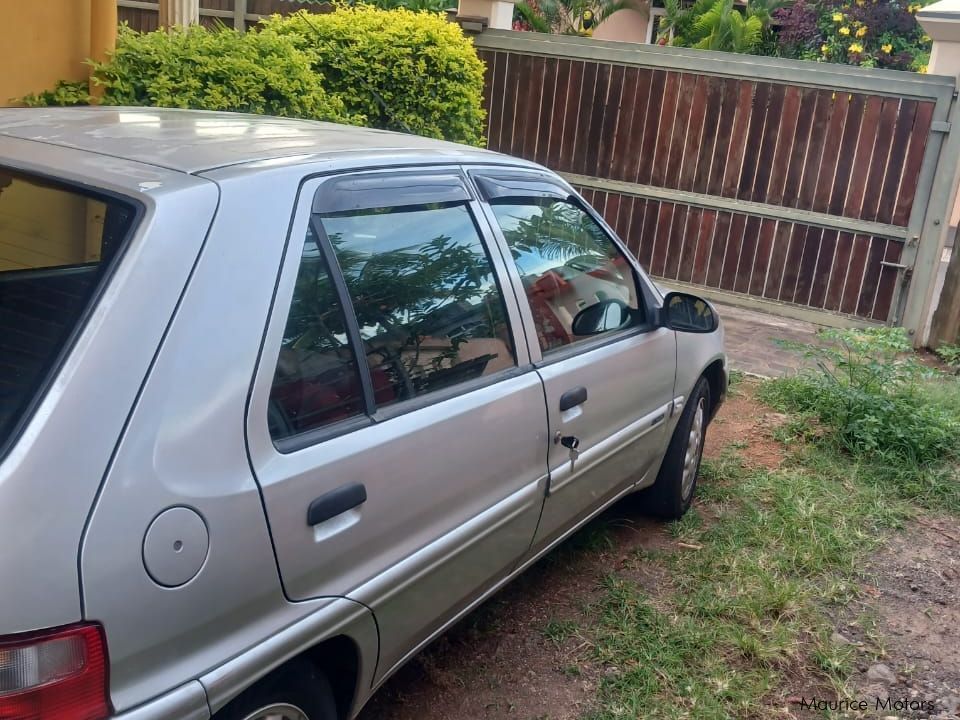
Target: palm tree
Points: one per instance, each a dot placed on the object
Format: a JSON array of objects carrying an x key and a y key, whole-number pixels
[
  {"x": 566, "y": 17},
  {"x": 717, "y": 24},
  {"x": 723, "y": 27}
]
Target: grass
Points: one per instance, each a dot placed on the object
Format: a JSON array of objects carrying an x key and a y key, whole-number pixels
[
  {"x": 747, "y": 607},
  {"x": 557, "y": 631},
  {"x": 767, "y": 559}
]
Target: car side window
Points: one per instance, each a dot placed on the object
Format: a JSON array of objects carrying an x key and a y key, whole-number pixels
[
  {"x": 427, "y": 303},
  {"x": 316, "y": 381},
  {"x": 578, "y": 282}
]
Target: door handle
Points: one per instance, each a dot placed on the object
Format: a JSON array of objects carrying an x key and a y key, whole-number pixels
[
  {"x": 572, "y": 398},
  {"x": 335, "y": 502}
]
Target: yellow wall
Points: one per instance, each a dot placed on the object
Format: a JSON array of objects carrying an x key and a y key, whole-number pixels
[
  {"x": 43, "y": 41},
  {"x": 44, "y": 227}
]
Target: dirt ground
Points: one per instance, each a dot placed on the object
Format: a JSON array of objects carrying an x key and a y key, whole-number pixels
[
  {"x": 503, "y": 662},
  {"x": 914, "y": 583}
]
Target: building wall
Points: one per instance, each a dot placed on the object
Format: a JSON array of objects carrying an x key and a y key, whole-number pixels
[
  {"x": 44, "y": 227},
  {"x": 40, "y": 43},
  {"x": 628, "y": 25}
]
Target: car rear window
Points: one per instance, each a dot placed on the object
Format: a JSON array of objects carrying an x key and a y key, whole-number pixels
[{"x": 56, "y": 245}]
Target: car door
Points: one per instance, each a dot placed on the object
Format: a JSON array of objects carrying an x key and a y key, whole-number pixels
[
  {"x": 608, "y": 372},
  {"x": 396, "y": 426}
]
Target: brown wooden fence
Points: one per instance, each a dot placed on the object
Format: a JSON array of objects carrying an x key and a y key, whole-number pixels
[{"x": 775, "y": 180}]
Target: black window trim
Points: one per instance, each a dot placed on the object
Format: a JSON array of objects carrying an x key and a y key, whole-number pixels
[
  {"x": 355, "y": 192},
  {"x": 496, "y": 186},
  {"x": 93, "y": 192},
  {"x": 354, "y": 338},
  {"x": 316, "y": 436}
]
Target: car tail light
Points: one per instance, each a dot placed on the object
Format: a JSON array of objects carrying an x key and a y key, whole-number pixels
[{"x": 54, "y": 675}]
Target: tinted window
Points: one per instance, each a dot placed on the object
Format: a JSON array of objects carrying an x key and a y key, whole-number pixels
[
  {"x": 568, "y": 265},
  {"x": 55, "y": 247},
  {"x": 428, "y": 306},
  {"x": 316, "y": 381}
]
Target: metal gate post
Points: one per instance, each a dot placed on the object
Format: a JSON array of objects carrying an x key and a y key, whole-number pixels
[
  {"x": 940, "y": 22},
  {"x": 240, "y": 15},
  {"x": 933, "y": 232},
  {"x": 926, "y": 228}
]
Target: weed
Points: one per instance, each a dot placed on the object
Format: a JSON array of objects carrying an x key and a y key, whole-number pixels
[
  {"x": 733, "y": 382},
  {"x": 557, "y": 631},
  {"x": 875, "y": 396},
  {"x": 950, "y": 354}
]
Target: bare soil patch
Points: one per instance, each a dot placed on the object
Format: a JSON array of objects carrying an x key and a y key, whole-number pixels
[
  {"x": 746, "y": 424},
  {"x": 520, "y": 655},
  {"x": 913, "y": 597}
]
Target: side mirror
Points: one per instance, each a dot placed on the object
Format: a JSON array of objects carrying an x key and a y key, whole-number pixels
[
  {"x": 688, "y": 313},
  {"x": 601, "y": 317}
]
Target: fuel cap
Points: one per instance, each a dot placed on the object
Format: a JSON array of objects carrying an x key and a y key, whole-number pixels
[{"x": 175, "y": 546}]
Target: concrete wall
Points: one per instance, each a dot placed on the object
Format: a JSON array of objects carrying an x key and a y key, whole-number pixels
[
  {"x": 43, "y": 41},
  {"x": 628, "y": 25}
]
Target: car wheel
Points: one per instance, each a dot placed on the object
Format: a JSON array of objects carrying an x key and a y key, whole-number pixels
[
  {"x": 297, "y": 691},
  {"x": 278, "y": 711},
  {"x": 670, "y": 496}
]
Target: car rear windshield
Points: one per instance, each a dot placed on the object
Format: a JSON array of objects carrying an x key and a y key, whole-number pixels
[{"x": 56, "y": 245}]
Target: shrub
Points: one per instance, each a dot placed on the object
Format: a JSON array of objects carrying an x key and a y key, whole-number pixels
[
  {"x": 425, "y": 71},
  {"x": 950, "y": 354},
  {"x": 415, "y": 5},
  {"x": 868, "y": 33},
  {"x": 718, "y": 24},
  {"x": 565, "y": 17},
  {"x": 64, "y": 93},
  {"x": 261, "y": 72},
  {"x": 390, "y": 69},
  {"x": 875, "y": 398}
]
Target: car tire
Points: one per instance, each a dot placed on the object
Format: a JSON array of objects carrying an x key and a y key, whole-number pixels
[
  {"x": 672, "y": 493},
  {"x": 297, "y": 691}
]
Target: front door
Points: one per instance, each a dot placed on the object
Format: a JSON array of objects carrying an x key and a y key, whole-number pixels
[
  {"x": 396, "y": 427},
  {"x": 608, "y": 373}
]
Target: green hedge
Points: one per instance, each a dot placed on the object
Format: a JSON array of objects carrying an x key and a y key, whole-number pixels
[
  {"x": 393, "y": 69},
  {"x": 427, "y": 73}
]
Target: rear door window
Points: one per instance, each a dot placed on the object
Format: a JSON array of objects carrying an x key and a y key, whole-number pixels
[
  {"x": 56, "y": 244},
  {"x": 429, "y": 309},
  {"x": 425, "y": 311}
]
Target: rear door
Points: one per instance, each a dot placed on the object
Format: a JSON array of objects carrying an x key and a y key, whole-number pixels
[
  {"x": 396, "y": 426},
  {"x": 608, "y": 373}
]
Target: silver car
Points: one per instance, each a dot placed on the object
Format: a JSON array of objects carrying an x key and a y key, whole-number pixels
[{"x": 280, "y": 401}]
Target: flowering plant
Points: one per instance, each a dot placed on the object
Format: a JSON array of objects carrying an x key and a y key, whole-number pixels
[{"x": 870, "y": 33}]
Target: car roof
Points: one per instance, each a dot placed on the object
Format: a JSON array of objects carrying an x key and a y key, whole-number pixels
[{"x": 192, "y": 141}]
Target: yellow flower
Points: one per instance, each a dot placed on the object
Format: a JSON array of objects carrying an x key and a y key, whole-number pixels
[
  {"x": 923, "y": 68},
  {"x": 844, "y": 30},
  {"x": 824, "y": 48},
  {"x": 862, "y": 31},
  {"x": 888, "y": 48},
  {"x": 838, "y": 17},
  {"x": 855, "y": 48},
  {"x": 925, "y": 38},
  {"x": 913, "y": 7},
  {"x": 861, "y": 3}
]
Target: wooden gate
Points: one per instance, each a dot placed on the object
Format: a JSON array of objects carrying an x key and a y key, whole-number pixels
[{"x": 764, "y": 180}]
